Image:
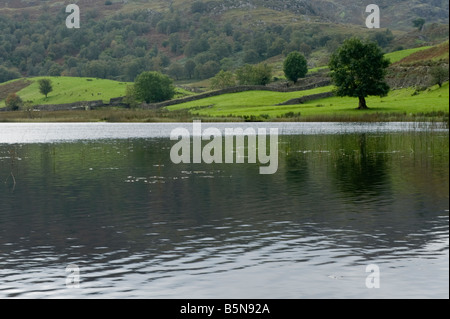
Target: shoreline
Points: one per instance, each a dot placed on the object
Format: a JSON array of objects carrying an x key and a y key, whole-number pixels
[
  {"x": 114, "y": 115},
  {"x": 31, "y": 133}
]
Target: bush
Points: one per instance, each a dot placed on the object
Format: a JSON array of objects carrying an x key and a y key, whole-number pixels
[
  {"x": 439, "y": 75},
  {"x": 13, "y": 101},
  {"x": 153, "y": 87},
  {"x": 290, "y": 115},
  {"x": 130, "y": 97},
  {"x": 260, "y": 74},
  {"x": 222, "y": 80}
]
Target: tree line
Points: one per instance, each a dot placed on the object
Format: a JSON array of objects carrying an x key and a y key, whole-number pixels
[{"x": 184, "y": 45}]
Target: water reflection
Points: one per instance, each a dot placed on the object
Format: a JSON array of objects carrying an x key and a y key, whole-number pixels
[
  {"x": 361, "y": 171},
  {"x": 140, "y": 226}
]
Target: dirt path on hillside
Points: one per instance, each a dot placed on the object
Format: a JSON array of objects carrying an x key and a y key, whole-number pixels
[{"x": 13, "y": 87}]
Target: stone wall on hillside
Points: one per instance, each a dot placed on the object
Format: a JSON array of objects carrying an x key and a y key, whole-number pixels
[
  {"x": 307, "y": 98},
  {"x": 410, "y": 76},
  {"x": 83, "y": 105},
  {"x": 235, "y": 89}
]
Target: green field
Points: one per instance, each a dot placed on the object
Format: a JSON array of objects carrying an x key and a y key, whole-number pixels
[
  {"x": 72, "y": 89},
  {"x": 260, "y": 105},
  {"x": 257, "y": 103}
]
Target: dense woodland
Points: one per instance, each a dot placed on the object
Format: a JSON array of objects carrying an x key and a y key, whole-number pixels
[{"x": 188, "y": 43}]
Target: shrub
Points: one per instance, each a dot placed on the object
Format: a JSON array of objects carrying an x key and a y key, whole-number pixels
[
  {"x": 130, "y": 97},
  {"x": 222, "y": 80},
  {"x": 260, "y": 74},
  {"x": 153, "y": 87},
  {"x": 13, "y": 101},
  {"x": 439, "y": 75}
]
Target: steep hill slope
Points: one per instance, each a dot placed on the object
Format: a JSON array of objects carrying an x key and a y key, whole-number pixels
[
  {"x": 395, "y": 13},
  {"x": 194, "y": 39}
]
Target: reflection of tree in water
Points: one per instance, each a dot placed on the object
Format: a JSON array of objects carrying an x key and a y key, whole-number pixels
[
  {"x": 362, "y": 167},
  {"x": 296, "y": 165}
]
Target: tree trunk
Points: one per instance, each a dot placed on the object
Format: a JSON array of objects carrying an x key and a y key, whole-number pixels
[{"x": 362, "y": 103}]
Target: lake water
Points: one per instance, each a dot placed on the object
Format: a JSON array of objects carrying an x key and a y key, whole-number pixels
[{"x": 108, "y": 199}]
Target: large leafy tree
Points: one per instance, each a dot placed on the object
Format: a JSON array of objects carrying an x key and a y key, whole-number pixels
[
  {"x": 295, "y": 66},
  {"x": 153, "y": 87},
  {"x": 358, "y": 69}
]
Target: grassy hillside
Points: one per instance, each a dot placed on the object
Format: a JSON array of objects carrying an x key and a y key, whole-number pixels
[
  {"x": 119, "y": 39},
  {"x": 12, "y": 87},
  {"x": 436, "y": 53},
  {"x": 400, "y": 105},
  {"x": 261, "y": 103},
  {"x": 397, "y": 56},
  {"x": 254, "y": 103},
  {"x": 71, "y": 89},
  {"x": 68, "y": 90},
  {"x": 397, "y": 13},
  {"x": 243, "y": 102}
]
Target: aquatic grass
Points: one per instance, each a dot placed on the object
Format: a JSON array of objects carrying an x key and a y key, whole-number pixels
[{"x": 109, "y": 114}]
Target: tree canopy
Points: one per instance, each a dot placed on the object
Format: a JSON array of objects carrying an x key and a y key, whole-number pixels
[
  {"x": 419, "y": 23},
  {"x": 358, "y": 69},
  {"x": 7, "y": 74},
  {"x": 152, "y": 87},
  {"x": 295, "y": 66},
  {"x": 260, "y": 74},
  {"x": 222, "y": 80},
  {"x": 122, "y": 45}
]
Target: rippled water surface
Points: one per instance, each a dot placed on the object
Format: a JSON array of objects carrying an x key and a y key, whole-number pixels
[{"x": 107, "y": 199}]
